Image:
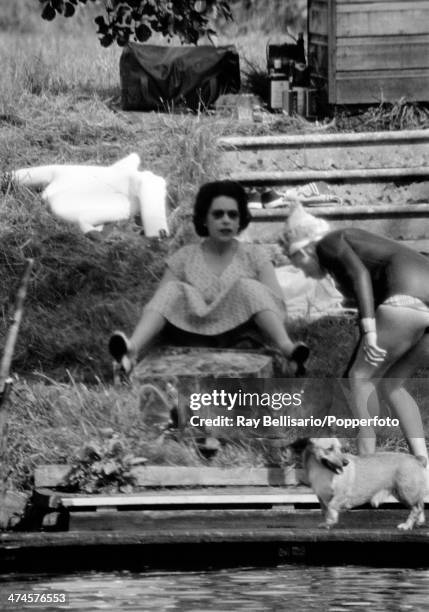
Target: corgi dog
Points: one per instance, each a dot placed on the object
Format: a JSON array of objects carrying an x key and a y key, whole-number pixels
[{"x": 342, "y": 481}]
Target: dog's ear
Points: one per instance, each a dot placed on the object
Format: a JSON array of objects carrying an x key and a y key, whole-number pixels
[{"x": 299, "y": 445}]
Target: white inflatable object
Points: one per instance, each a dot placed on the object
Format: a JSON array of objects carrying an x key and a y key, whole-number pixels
[
  {"x": 308, "y": 297},
  {"x": 90, "y": 196}
]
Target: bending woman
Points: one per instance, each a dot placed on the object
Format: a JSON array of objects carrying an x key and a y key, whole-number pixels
[
  {"x": 215, "y": 285},
  {"x": 390, "y": 283}
]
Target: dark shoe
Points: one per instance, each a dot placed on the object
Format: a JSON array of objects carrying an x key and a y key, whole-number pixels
[
  {"x": 119, "y": 347},
  {"x": 300, "y": 355}
]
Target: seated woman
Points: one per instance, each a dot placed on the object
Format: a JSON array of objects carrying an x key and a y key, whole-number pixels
[
  {"x": 390, "y": 284},
  {"x": 214, "y": 285}
]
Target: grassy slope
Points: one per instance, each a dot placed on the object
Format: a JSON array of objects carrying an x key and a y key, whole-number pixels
[{"x": 59, "y": 95}]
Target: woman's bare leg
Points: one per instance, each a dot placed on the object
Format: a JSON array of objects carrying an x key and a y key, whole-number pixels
[
  {"x": 401, "y": 402},
  {"x": 398, "y": 329},
  {"x": 151, "y": 323},
  {"x": 363, "y": 387},
  {"x": 271, "y": 325}
]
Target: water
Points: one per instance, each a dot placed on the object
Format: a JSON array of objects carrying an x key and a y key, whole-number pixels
[{"x": 295, "y": 588}]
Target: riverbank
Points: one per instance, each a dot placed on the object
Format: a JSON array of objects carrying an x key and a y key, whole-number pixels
[{"x": 59, "y": 103}]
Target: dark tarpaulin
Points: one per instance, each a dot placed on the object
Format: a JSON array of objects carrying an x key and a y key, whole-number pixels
[{"x": 160, "y": 77}]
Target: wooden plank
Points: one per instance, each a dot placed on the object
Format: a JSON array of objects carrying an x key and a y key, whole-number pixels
[
  {"x": 408, "y": 149},
  {"x": 395, "y": 228},
  {"x": 355, "y": 525},
  {"x": 390, "y": 4},
  {"x": 318, "y": 18},
  {"x": 381, "y": 5},
  {"x": 193, "y": 498},
  {"x": 51, "y": 476},
  {"x": 333, "y": 157},
  {"x": 358, "y": 525},
  {"x": 305, "y": 176},
  {"x": 377, "y": 86},
  {"x": 318, "y": 58},
  {"x": 332, "y": 51},
  {"x": 396, "y": 221},
  {"x": 292, "y": 538},
  {"x": 382, "y": 53},
  {"x": 168, "y": 476},
  {"x": 347, "y": 212},
  {"x": 219, "y": 497},
  {"x": 382, "y": 18},
  {"x": 408, "y": 137},
  {"x": 221, "y": 519},
  {"x": 401, "y": 2}
]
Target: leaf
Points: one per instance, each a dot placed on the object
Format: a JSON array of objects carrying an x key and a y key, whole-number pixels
[
  {"x": 122, "y": 40},
  {"x": 97, "y": 467},
  {"x": 90, "y": 452},
  {"x": 110, "y": 467},
  {"x": 69, "y": 10},
  {"x": 58, "y": 5},
  {"x": 138, "y": 461},
  {"x": 143, "y": 32},
  {"x": 106, "y": 40},
  {"x": 48, "y": 13}
]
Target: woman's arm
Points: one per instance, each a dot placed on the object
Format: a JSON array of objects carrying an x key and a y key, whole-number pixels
[
  {"x": 267, "y": 276},
  {"x": 341, "y": 260},
  {"x": 167, "y": 277}
]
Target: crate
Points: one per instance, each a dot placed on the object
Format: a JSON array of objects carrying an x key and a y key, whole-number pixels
[{"x": 366, "y": 52}]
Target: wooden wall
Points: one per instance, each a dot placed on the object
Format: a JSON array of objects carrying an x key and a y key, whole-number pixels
[{"x": 370, "y": 51}]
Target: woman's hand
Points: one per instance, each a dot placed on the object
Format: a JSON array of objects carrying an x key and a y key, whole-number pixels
[{"x": 374, "y": 354}]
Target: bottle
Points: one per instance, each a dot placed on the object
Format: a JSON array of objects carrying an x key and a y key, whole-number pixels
[
  {"x": 300, "y": 55},
  {"x": 278, "y": 84},
  {"x": 301, "y": 75}
]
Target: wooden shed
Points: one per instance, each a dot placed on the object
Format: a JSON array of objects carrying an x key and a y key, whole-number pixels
[{"x": 368, "y": 51}]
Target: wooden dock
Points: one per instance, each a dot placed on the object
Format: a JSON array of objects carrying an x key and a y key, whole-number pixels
[
  {"x": 218, "y": 539},
  {"x": 227, "y": 519}
]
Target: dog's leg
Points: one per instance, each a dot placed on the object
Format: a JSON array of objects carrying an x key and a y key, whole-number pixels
[
  {"x": 324, "y": 510},
  {"x": 330, "y": 515},
  {"x": 413, "y": 518},
  {"x": 421, "y": 519}
]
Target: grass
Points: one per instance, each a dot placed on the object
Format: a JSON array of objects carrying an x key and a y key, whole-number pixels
[{"x": 59, "y": 103}]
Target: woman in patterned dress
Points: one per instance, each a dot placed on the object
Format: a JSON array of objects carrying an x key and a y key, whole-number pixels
[{"x": 215, "y": 285}]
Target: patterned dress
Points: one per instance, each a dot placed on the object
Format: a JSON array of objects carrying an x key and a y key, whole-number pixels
[{"x": 203, "y": 302}]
